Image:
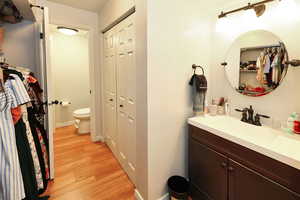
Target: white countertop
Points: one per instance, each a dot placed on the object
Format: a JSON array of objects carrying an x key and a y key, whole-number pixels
[{"x": 275, "y": 144}]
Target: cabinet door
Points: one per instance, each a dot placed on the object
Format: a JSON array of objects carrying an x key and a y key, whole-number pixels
[
  {"x": 246, "y": 184},
  {"x": 207, "y": 172}
]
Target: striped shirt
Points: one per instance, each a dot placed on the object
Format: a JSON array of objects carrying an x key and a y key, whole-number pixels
[{"x": 11, "y": 181}]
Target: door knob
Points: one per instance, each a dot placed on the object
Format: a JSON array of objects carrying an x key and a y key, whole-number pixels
[
  {"x": 224, "y": 164},
  {"x": 121, "y": 106},
  {"x": 111, "y": 100}
]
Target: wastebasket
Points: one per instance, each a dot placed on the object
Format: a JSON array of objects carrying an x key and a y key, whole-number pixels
[{"x": 178, "y": 188}]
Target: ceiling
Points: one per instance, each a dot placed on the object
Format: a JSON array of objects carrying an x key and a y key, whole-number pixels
[{"x": 91, "y": 5}]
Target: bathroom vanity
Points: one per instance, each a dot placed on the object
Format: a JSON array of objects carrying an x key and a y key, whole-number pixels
[{"x": 232, "y": 160}]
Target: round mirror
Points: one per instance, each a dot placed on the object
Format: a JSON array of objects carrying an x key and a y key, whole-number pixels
[{"x": 255, "y": 63}]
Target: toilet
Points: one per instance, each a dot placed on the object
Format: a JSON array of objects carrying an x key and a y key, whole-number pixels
[{"x": 82, "y": 120}]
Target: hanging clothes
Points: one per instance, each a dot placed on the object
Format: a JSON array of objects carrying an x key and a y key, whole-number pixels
[
  {"x": 26, "y": 161},
  {"x": 276, "y": 66},
  {"x": 269, "y": 75},
  {"x": 37, "y": 168},
  {"x": 31, "y": 146},
  {"x": 35, "y": 92},
  {"x": 11, "y": 180},
  {"x": 41, "y": 149},
  {"x": 261, "y": 64}
]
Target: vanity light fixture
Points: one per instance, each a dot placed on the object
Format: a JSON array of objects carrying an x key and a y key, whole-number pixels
[
  {"x": 67, "y": 31},
  {"x": 259, "y": 8}
]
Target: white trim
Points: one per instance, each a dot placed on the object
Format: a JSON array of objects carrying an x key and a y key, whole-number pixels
[
  {"x": 64, "y": 124},
  {"x": 165, "y": 197},
  {"x": 137, "y": 195},
  {"x": 100, "y": 138}
]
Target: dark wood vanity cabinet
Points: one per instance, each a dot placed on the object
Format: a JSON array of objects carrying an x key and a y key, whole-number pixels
[
  {"x": 208, "y": 171},
  {"x": 217, "y": 174}
]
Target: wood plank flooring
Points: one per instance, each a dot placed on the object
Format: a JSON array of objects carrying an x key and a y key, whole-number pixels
[{"x": 86, "y": 171}]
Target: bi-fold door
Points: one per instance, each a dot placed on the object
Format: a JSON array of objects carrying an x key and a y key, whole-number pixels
[{"x": 120, "y": 93}]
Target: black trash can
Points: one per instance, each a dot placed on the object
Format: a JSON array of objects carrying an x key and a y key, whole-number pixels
[{"x": 178, "y": 188}]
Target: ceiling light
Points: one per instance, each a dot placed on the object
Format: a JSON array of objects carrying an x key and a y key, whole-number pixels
[{"x": 67, "y": 31}]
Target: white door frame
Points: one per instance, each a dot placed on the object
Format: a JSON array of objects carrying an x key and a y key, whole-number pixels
[{"x": 93, "y": 76}]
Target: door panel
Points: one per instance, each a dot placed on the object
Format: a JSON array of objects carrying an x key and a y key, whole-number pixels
[
  {"x": 120, "y": 86},
  {"x": 207, "y": 172},
  {"x": 246, "y": 184},
  {"x": 110, "y": 91},
  {"x": 45, "y": 62},
  {"x": 126, "y": 87}
]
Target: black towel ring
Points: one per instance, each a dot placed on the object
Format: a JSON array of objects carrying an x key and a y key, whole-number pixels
[{"x": 197, "y": 66}]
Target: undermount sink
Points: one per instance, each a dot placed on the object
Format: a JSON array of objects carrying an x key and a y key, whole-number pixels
[{"x": 276, "y": 144}]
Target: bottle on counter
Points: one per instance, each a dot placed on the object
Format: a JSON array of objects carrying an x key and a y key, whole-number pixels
[
  {"x": 291, "y": 122},
  {"x": 297, "y": 124}
]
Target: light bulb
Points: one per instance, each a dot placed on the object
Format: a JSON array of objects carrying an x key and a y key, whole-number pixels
[{"x": 67, "y": 31}]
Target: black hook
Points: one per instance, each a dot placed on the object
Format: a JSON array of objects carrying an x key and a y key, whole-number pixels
[{"x": 194, "y": 66}]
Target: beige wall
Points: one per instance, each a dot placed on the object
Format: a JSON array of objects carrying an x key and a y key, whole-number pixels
[
  {"x": 282, "y": 19},
  {"x": 70, "y": 68},
  {"x": 19, "y": 44},
  {"x": 178, "y": 36}
]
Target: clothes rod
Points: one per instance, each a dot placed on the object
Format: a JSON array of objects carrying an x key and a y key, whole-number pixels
[{"x": 249, "y": 6}]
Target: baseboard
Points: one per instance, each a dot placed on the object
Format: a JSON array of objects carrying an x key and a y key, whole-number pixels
[
  {"x": 98, "y": 138},
  {"x": 137, "y": 195},
  {"x": 165, "y": 197},
  {"x": 63, "y": 124}
]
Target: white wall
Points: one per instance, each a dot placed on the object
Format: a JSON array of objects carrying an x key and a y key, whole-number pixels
[
  {"x": 281, "y": 18},
  {"x": 178, "y": 36},
  {"x": 77, "y": 18},
  {"x": 19, "y": 44},
  {"x": 70, "y": 68}
]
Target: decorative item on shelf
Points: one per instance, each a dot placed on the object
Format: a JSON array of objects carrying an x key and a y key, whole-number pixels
[{"x": 199, "y": 84}]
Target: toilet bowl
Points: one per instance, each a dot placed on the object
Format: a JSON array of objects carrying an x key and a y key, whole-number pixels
[{"x": 82, "y": 120}]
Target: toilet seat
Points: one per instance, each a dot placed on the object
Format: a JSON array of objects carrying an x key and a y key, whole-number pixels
[{"x": 82, "y": 113}]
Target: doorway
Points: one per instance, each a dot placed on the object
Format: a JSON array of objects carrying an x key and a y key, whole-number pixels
[{"x": 70, "y": 77}]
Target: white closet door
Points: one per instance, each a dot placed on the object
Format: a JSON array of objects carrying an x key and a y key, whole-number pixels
[
  {"x": 110, "y": 88},
  {"x": 126, "y": 95},
  {"x": 120, "y": 93}
]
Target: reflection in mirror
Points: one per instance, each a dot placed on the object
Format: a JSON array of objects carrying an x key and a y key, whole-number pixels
[{"x": 256, "y": 63}]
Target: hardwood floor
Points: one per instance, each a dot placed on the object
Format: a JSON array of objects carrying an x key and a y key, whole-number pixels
[{"x": 86, "y": 170}]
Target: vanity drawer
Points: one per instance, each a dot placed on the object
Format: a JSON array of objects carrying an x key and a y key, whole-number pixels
[{"x": 277, "y": 171}]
